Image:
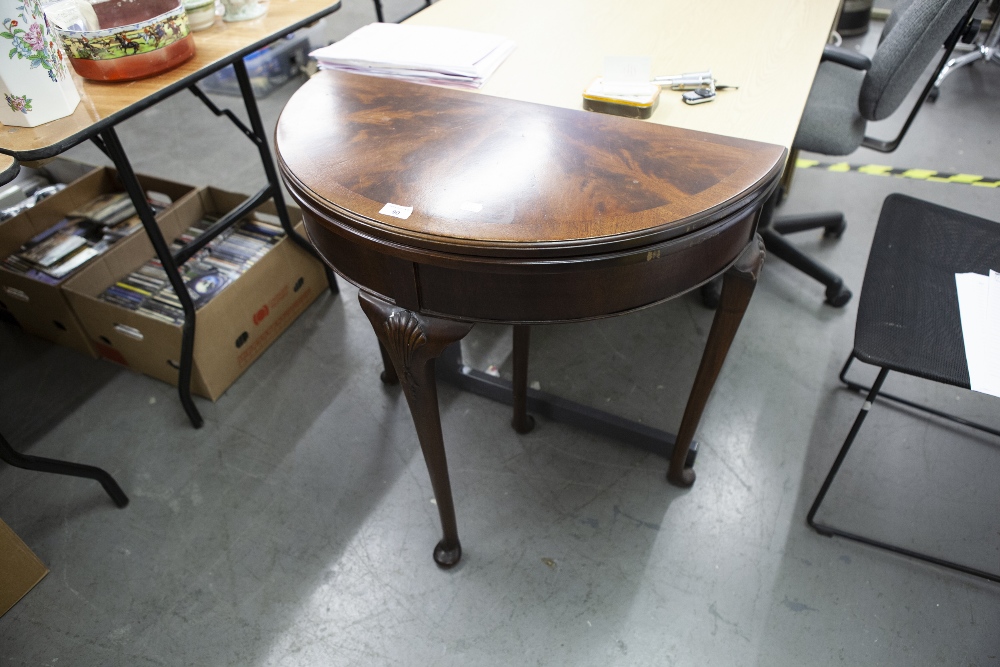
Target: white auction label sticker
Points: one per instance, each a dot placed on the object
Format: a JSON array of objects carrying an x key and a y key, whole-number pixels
[
  {"x": 397, "y": 211},
  {"x": 471, "y": 206}
]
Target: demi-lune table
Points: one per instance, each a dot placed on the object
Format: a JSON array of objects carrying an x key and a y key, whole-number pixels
[{"x": 448, "y": 208}]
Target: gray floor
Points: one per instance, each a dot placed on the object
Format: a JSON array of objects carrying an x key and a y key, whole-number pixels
[{"x": 296, "y": 527}]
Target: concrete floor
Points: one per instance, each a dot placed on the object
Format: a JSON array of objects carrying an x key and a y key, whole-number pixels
[{"x": 296, "y": 527}]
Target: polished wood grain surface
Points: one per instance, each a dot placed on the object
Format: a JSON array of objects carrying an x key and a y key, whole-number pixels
[
  {"x": 103, "y": 100},
  {"x": 769, "y": 49},
  {"x": 489, "y": 176}
]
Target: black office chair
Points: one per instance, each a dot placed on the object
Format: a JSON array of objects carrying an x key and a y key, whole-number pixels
[
  {"x": 850, "y": 90},
  {"x": 987, "y": 52},
  {"x": 908, "y": 321}
]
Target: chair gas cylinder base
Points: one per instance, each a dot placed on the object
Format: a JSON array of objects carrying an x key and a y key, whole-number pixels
[
  {"x": 448, "y": 208},
  {"x": 908, "y": 322}
]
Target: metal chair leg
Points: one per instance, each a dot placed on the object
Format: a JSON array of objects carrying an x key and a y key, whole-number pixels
[
  {"x": 854, "y": 386},
  {"x": 883, "y": 372},
  {"x": 830, "y": 531}
]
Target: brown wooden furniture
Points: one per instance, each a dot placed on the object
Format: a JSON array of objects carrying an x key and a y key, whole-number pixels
[{"x": 522, "y": 213}]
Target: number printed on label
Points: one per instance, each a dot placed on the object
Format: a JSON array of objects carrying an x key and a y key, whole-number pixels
[{"x": 397, "y": 211}]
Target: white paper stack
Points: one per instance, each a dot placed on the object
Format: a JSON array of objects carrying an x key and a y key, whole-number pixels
[
  {"x": 979, "y": 308},
  {"x": 418, "y": 53}
]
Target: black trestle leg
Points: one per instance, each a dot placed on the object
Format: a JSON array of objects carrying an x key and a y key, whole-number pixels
[
  {"x": 39, "y": 464},
  {"x": 260, "y": 140},
  {"x": 134, "y": 189}
]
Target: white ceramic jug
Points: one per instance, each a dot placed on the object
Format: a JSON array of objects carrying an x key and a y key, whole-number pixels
[{"x": 35, "y": 78}]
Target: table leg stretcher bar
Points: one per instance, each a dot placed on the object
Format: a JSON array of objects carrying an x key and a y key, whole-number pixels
[{"x": 452, "y": 369}]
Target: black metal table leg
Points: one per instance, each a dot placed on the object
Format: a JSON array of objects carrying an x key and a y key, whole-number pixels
[
  {"x": 451, "y": 369},
  {"x": 269, "y": 171},
  {"x": 39, "y": 464},
  {"x": 134, "y": 189}
]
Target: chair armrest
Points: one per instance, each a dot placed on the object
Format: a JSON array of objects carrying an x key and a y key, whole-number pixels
[{"x": 846, "y": 57}]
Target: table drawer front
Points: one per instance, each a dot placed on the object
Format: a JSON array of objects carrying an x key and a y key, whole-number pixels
[
  {"x": 534, "y": 291},
  {"x": 579, "y": 290}
]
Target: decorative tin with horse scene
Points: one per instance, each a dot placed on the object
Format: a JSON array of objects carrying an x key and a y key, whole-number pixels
[{"x": 144, "y": 37}]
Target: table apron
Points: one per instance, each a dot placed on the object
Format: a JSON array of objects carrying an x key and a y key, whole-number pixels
[{"x": 531, "y": 291}]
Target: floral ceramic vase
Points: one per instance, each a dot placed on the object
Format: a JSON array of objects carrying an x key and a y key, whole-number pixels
[{"x": 34, "y": 78}]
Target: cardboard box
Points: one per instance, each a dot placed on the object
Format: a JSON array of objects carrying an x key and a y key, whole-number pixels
[
  {"x": 40, "y": 308},
  {"x": 20, "y": 569},
  {"x": 231, "y": 330},
  {"x": 268, "y": 68}
]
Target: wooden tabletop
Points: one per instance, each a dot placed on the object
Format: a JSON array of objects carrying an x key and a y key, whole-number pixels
[
  {"x": 490, "y": 176},
  {"x": 102, "y": 102},
  {"x": 769, "y": 49}
]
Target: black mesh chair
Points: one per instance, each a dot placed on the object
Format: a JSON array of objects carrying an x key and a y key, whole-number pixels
[
  {"x": 908, "y": 319},
  {"x": 850, "y": 90}
]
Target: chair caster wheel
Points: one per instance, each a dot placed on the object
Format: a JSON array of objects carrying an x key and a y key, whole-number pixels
[
  {"x": 711, "y": 294},
  {"x": 838, "y": 296},
  {"x": 835, "y": 231},
  {"x": 447, "y": 557},
  {"x": 933, "y": 94},
  {"x": 387, "y": 379}
]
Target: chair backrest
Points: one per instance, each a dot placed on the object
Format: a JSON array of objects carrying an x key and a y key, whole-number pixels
[{"x": 913, "y": 34}]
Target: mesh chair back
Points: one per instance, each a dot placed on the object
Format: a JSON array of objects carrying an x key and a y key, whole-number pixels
[{"x": 915, "y": 31}]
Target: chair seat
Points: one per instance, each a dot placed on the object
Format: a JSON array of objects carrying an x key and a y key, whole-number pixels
[
  {"x": 831, "y": 123},
  {"x": 908, "y": 317}
]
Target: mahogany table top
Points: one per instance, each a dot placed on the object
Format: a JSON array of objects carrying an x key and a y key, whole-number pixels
[{"x": 488, "y": 176}]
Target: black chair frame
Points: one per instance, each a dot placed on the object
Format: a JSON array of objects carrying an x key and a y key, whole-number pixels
[{"x": 873, "y": 393}]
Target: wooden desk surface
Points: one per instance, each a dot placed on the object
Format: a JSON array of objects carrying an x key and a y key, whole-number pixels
[
  {"x": 100, "y": 101},
  {"x": 769, "y": 49}
]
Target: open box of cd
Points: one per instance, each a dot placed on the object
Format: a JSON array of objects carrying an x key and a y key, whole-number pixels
[
  {"x": 43, "y": 246},
  {"x": 248, "y": 285}
]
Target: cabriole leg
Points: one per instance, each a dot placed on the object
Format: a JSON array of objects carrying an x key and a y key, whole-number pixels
[
  {"x": 737, "y": 288},
  {"x": 412, "y": 343}
]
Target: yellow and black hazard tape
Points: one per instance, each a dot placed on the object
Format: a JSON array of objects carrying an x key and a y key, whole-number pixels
[{"x": 914, "y": 174}]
